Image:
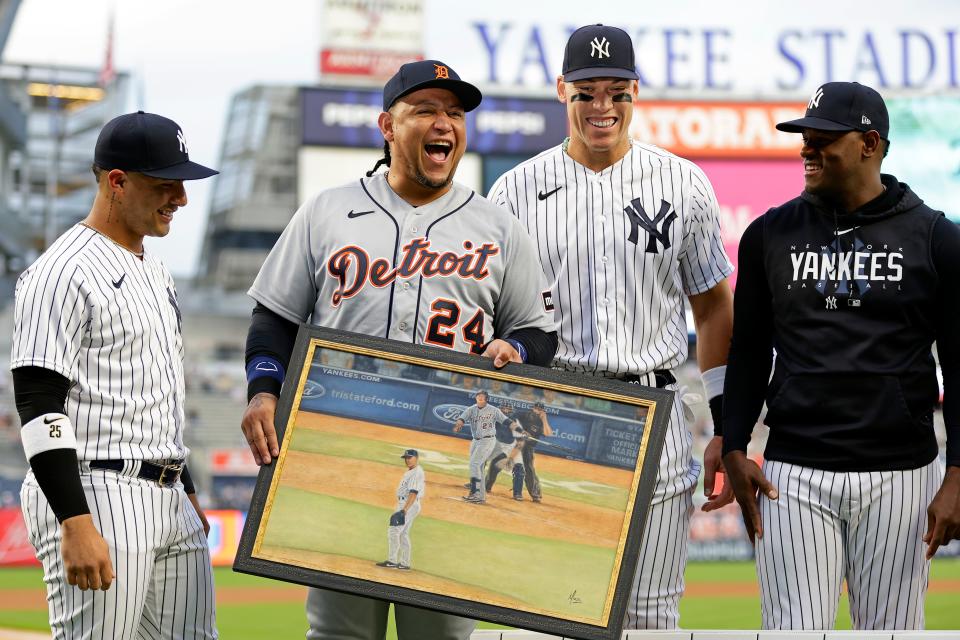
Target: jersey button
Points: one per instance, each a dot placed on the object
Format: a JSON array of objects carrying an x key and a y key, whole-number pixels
[
  {"x": 414, "y": 228},
  {"x": 605, "y": 301},
  {"x": 604, "y": 259},
  {"x": 405, "y": 286},
  {"x": 402, "y": 326}
]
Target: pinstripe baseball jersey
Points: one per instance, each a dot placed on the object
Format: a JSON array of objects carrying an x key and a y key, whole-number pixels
[
  {"x": 455, "y": 272},
  {"x": 109, "y": 322},
  {"x": 413, "y": 480},
  {"x": 650, "y": 220}
]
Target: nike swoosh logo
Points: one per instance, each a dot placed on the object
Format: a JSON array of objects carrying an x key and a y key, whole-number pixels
[
  {"x": 119, "y": 282},
  {"x": 357, "y": 214},
  {"x": 46, "y": 421},
  {"x": 840, "y": 233},
  {"x": 544, "y": 196}
]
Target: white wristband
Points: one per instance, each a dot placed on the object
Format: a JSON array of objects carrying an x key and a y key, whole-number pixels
[
  {"x": 47, "y": 432},
  {"x": 713, "y": 381}
]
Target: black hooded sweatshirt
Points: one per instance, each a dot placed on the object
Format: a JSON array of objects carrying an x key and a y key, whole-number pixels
[{"x": 851, "y": 304}]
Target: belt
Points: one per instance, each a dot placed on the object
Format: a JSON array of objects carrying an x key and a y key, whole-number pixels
[
  {"x": 659, "y": 378},
  {"x": 165, "y": 475},
  {"x": 484, "y": 437}
]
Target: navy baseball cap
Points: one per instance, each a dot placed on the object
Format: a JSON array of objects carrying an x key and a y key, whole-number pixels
[
  {"x": 843, "y": 106},
  {"x": 599, "y": 51},
  {"x": 410, "y": 453},
  {"x": 424, "y": 74},
  {"x": 149, "y": 144}
]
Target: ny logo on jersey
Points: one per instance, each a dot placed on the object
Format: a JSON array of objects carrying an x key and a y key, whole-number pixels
[
  {"x": 176, "y": 308},
  {"x": 182, "y": 141},
  {"x": 649, "y": 224},
  {"x": 599, "y": 48},
  {"x": 831, "y": 302}
]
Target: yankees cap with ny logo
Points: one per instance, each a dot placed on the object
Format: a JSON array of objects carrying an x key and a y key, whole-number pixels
[
  {"x": 599, "y": 51},
  {"x": 149, "y": 144},
  {"x": 843, "y": 106}
]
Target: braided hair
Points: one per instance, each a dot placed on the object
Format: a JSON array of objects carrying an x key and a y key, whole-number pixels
[{"x": 384, "y": 160}]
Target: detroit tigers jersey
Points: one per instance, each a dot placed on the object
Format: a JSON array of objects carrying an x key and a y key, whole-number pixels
[
  {"x": 483, "y": 421},
  {"x": 455, "y": 272},
  {"x": 109, "y": 322},
  {"x": 413, "y": 480},
  {"x": 650, "y": 221}
]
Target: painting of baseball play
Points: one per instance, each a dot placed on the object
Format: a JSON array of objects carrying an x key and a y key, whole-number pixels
[{"x": 419, "y": 476}]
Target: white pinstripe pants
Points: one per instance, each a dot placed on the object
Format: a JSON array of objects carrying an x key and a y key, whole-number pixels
[
  {"x": 164, "y": 584},
  {"x": 655, "y": 596},
  {"x": 826, "y": 526}
]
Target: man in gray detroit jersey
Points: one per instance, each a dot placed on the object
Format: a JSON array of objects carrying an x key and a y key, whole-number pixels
[
  {"x": 628, "y": 232},
  {"x": 410, "y": 256},
  {"x": 482, "y": 418},
  {"x": 98, "y": 376}
]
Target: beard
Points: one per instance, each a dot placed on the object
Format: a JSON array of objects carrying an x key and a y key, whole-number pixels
[{"x": 424, "y": 181}]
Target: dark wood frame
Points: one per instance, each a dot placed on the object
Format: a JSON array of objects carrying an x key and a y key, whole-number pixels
[{"x": 658, "y": 401}]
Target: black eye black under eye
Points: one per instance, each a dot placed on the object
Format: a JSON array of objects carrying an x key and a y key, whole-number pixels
[
  {"x": 623, "y": 97},
  {"x": 581, "y": 97}
]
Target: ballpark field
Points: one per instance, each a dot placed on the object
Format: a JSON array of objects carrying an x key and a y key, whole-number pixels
[{"x": 719, "y": 596}]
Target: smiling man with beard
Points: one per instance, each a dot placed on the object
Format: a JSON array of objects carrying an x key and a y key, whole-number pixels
[{"x": 409, "y": 255}]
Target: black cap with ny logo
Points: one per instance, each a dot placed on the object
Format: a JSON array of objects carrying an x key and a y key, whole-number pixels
[
  {"x": 149, "y": 144},
  {"x": 843, "y": 106},
  {"x": 599, "y": 51}
]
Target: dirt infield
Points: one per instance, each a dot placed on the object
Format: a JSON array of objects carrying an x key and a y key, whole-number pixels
[
  {"x": 447, "y": 444},
  {"x": 365, "y": 481}
]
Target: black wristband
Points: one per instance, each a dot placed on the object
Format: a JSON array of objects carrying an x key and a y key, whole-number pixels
[
  {"x": 58, "y": 474},
  {"x": 263, "y": 385},
  {"x": 716, "y": 412}
]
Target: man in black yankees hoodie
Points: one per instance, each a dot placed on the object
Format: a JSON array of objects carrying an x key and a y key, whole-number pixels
[{"x": 850, "y": 285}]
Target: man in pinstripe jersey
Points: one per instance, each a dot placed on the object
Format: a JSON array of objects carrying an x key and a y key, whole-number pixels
[
  {"x": 627, "y": 233},
  {"x": 97, "y": 363},
  {"x": 851, "y": 283}
]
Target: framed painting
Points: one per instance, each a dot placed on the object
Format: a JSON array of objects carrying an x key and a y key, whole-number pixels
[{"x": 423, "y": 476}]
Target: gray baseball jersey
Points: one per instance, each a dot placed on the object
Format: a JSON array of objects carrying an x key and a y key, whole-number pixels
[
  {"x": 483, "y": 421},
  {"x": 455, "y": 272},
  {"x": 649, "y": 221}
]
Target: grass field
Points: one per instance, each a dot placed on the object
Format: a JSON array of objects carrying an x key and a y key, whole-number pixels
[{"x": 702, "y": 608}]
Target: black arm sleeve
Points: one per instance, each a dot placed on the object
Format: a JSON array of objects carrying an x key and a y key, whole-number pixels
[
  {"x": 946, "y": 260},
  {"x": 187, "y": 481},
  {"x": 37, "y": 392},
  {"x": 751, "y": 348},
  {"x": 273, "y": 336},
  {"x": 541, "y": 346}
]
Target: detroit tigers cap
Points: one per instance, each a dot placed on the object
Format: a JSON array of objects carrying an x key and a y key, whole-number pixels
[
  {"x": 424, "y": 74},
  {"x": 599, "y": 51},
  {"x": 843, "y": 106},
  {"x": 410, "y": 453},
  {"x": 148, "y": 144}
]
